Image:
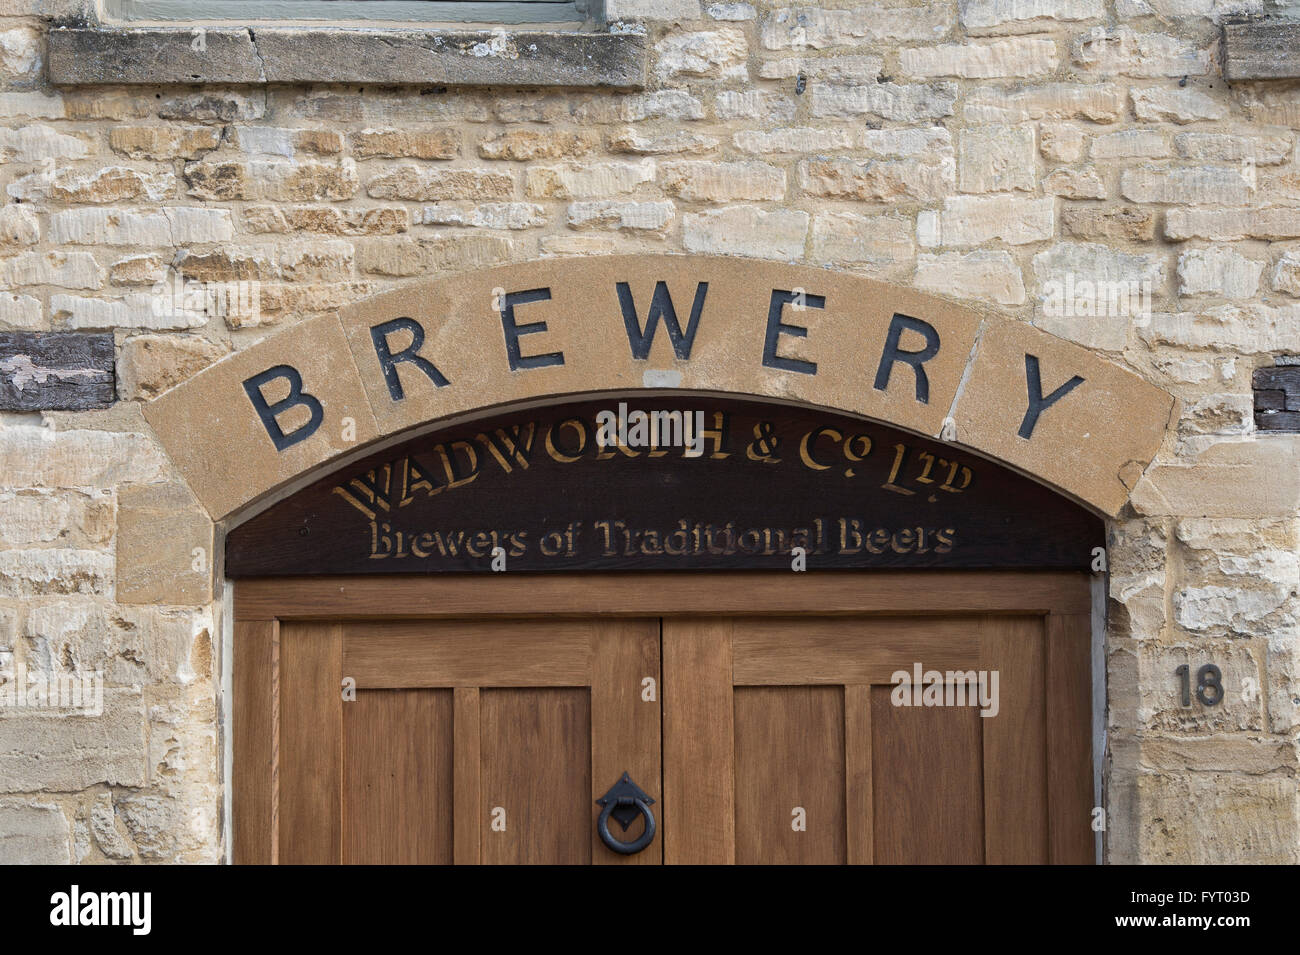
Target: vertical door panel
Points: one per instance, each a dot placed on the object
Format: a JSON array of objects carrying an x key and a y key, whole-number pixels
[
  {"x": 311, "y": 743},
  {"x": 790, "y": 785},
  {"x": 536, "y": 751},
  {"x": 397, "y": 777},
  {"x": 927, "y": 779}
]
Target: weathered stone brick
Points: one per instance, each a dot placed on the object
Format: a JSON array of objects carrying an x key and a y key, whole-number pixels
[
  {"x": 133, "y": 310},
  {"x": 984, "y": 15},
  {"x": 1246, "y": 328},
  {"x": 39, "y": 143},
  {"x": 811, "y": 27},
  {"x": 407, "y": 144},
  {"x": 629, "y": 216},
  {"x": 77, "y": 270},
  {"x": 229, "y": 264},
  {"x": 20, "y": 311},
  {"x": 700, "y": 181},
  {"x": 902, "y": 102},
  {"x": 34, "y": 833},
  {"x": 326, "y": 260},
  {"x": 489, "y": 215},
  {"x": 167, "y": 227},
  {"x": 1130, "y": 144},
  {"x": 525, "y": 145},
  {"x": 1159, "y": 104},
  {"x": 272, "y": 180},
  {"x": 1286, "y": 274},
  {"x": 996, "y": 159},
  {"x": 795, "y": 139},
  {"x": 589, "y": 180},
  {"x": 163, "y": 142},
  {"x": 213, "y": 106},
  {"x": 1187, "y": 185},
  {"x": 749, "y": 231},
  {"x": 25, "y": 573},
  {"x": 32, "y": 105},
  {"x": 732, "y": 11},
  {"x": 1126, "y": 52},
  {"x": 881, "y": 245},
  {"x": 19, "y": 228},
  {"x": 1075, "y": 184},
  {"x": 111, "y": 184},
  {"x": 148, "y": 365},
  {"x": 876, "y": 179},
  {"x": 420, "y": 184},
  {"x": 329, "y": 220},
  {"x": 754, "y": 104},
  {"x": 1098, "y": 102},
  {"x": 713, "y": 54},
  {"x": 40, "y": 457},
  {"x": 164, "y": 547},
  {"x": 975, "y": 220},
  {"x": 279, "y": 141},
  {"x": 20, "y": 54},
  {"x": 138, "y": 270},
  {"x": 629, "y": 140},
  {"x": 1125, "y": 222},
  {"x": 408, "y": 256},
  {"x": 72, "y": 518},
  {"x": 675, "y": 104},
  {"x": 1218, "y": 271},
  {"x": 654, "y": 9},
  {"x": 1060, "y": 142},
  {"x": 1232, "y": 224},
  {"x": 1223, "y": 147},
  {"x": 1018, "y": 57},
  {"x": 986, "y": 275},
  {"x": 41, "y": 751},
  {"x": 829, "y": 69}
]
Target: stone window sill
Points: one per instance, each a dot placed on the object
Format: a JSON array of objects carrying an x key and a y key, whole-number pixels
[
  {"x": 1261, "y": 50},
  {"x": 81, "y": 56}
]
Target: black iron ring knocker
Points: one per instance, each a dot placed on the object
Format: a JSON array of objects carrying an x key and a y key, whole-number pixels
[{"x": 625, "y": 801}]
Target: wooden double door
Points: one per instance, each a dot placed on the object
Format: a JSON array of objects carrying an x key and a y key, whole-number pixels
[{"x": 438, "y": 721}]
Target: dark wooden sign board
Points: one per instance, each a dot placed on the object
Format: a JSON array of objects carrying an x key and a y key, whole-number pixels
[{"x": 539, "y": 486}]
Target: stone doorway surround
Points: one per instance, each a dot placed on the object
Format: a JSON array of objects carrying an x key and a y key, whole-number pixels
[{"x": 315, "y": 395}]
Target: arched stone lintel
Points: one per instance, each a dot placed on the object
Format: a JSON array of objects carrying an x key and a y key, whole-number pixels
[{"x": 321, "y": 390}]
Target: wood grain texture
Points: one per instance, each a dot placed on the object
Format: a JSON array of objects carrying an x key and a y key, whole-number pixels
[
  {"x": 470, "y": 823},
  {"x": 780, "y": 651},
  {"x": 699, "y": 782},
  {"x": 49, "y": 371},
  {"x": 397, "y": 778},
  {"x": 537, "y": 767},
  {"x": 1069, "y": 739},
  {"x": 450, "y": 653},
  {"x": 625, "y": 729},
  {"x": 253, "y": 728},
  {"x": 789, "y": 744},
  {"x": 1015, "y": 742},
  {"x": 858, "y": 800},
  {"x": 311, "y": 743},
  {"x": 634, "y": 594},
  {"x": 927, "y": 783}
]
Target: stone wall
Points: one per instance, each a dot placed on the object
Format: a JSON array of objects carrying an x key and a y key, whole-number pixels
[{"x": 992, "y": 151}]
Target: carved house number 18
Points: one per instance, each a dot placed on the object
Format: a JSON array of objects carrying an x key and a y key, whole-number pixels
[{"x": 1209, "y": 684}]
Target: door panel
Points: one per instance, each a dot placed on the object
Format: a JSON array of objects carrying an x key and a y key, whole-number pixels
[
  {"x": 397, "y": 778},
  {"x": 775, "y": 738},
  {"x": 790, "y": 771},
  {"x": 467, "y": 741},
  {"x": 803, "y": 714}
]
